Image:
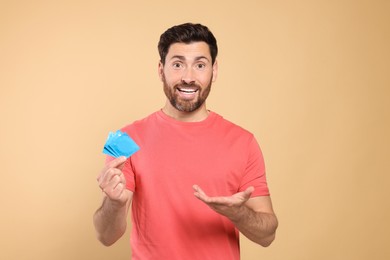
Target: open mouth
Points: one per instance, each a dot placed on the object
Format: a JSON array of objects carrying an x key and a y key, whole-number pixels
[{"x": 187, "y": 90}]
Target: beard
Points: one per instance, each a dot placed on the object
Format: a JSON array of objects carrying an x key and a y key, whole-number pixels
[{"x": 182, "y": 104}]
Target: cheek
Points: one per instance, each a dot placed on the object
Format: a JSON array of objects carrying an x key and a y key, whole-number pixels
[
  {"x": 172, "y": 77},
  {"x": 206, "y": 80}
]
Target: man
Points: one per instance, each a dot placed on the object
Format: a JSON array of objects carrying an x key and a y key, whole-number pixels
[{"x": 197, "y": 179}]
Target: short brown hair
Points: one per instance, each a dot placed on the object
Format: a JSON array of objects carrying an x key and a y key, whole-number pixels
[{"x": 187, "y": 33}]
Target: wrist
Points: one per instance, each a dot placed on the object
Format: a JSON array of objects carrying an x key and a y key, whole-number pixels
[
  {"x": 238, "y": 214},
  {"x": 114, "y": 205}
]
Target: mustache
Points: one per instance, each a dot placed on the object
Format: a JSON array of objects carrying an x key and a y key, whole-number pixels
[{"x": 187, "y": 85}]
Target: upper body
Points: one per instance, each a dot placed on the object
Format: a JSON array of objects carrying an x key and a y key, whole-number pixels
[
  {"x": 225, "y": 198},
  {"x": 168, "y": 220}
]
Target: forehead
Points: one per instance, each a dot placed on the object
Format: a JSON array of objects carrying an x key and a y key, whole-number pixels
[{"x": 189, "y": 50}]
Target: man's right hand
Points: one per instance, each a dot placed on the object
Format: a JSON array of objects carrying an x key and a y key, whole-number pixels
[
  {"x": 110, "y": 219},
  {"x": 113, "y": 183}
]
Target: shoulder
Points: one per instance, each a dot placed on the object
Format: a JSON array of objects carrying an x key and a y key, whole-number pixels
[
  {"x": 139, "y": 127},
  {"x": 228, "y": 127},
  {"x": 139, "y": 123}
]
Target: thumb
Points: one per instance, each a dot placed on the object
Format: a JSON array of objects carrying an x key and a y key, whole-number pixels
[
  {"x": 248, "y": 192},
  {"x": 117, "y": 163}
]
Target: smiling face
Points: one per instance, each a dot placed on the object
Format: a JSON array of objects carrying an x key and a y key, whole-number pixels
[{"x": 187, "y": 76}]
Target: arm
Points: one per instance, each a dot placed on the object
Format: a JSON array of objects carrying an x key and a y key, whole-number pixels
[
  {"x": 257, "y": 221},
  {"x": 110, "y": 219},
  {"x": 253, "y": 217}
]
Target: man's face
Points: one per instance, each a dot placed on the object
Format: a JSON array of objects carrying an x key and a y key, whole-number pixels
[{"x": 187, "y": 75}]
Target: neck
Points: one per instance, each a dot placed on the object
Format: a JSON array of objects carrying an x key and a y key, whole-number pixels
[{"x": 196, "y": 116}]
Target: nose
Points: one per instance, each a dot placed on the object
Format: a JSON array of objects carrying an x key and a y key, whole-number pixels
[{"x": 188, "y": 76}]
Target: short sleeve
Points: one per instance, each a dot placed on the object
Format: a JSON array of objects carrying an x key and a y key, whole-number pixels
[{"x": 255, "y": 171}]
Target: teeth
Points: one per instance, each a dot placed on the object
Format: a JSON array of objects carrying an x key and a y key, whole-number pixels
[{"x": 187, "y": 90}]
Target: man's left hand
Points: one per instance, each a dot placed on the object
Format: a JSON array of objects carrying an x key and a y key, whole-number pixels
[{"x": 229, "y": 206}]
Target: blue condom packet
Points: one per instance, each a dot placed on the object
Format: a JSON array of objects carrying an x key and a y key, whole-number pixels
[{"x": 120, "y": 144}]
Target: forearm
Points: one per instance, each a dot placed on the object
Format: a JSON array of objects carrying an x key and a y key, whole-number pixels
[
  {"x": 259, "y": 227},
  {"x": 110, "y": 222},
  {"x": 253, "y": 217}
]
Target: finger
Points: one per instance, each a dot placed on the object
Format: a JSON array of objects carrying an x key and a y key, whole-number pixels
[
  {"x": 115, "y": 163},
  {"x": 116, "y": 193},
  {"x": 123, "y": 178},
  {"x": 110, "y": 186},
  {"x": 200, "y": 194},
  {"x": 198, "y": 190},
  {"x": 248, "y": 192},
  {"x": 118, "y": 190},
  {"x": 109, "y": 175}
]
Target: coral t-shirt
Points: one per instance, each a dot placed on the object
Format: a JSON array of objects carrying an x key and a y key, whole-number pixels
[{"x": 168, "y": 221}]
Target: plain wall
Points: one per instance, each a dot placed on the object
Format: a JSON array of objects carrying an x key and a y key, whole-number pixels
[{"x": 309, "y": 78}]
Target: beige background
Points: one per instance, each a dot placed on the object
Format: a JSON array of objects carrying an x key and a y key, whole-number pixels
[{"x": 309, "y": 78}]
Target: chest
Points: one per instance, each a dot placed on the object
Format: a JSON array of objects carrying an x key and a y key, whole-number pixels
[{"x": 217, "y": 162}]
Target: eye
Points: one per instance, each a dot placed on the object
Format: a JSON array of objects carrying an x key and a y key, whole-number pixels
[
  {"x": 200, "y": 66},
  {"x": 177, "y": 65}
]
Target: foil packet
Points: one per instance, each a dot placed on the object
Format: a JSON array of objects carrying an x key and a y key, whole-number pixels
[{"x": 120, "y": 144}]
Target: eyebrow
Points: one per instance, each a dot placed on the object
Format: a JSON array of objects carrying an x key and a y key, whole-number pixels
[{"x": 180, "y": 57}]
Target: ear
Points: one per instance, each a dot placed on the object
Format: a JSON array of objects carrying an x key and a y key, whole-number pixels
[
  {"x": 215, "y": 71},
  {"x": 161, "y": 70}
]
